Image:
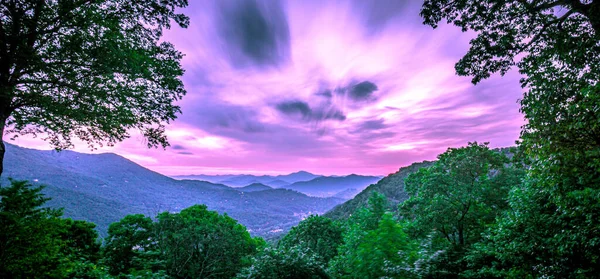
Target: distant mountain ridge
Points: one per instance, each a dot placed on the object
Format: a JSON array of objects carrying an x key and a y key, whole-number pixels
[
  {"x": 254, "y": 187},
  {"x": 103, "y": 188},
  {"x": 239, "y": 180},
  {"x": 304, "y": 182},
  {"x": 325, "y": 186}
]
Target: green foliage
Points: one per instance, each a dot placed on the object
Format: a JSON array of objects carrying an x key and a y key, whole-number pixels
[
  {"x": 386, "y": 251},
  {"x": 200, "y": 243},
  {"x": 540, "y": 236},
  {"x": 551, "y": 229},
  {"x": 454, "y": 201},
  {"x": 293, "y": 263},
  {"x": 193, "y": 243},
  {"x": 315, "y": 234},
  {"x": 391, "y": 186},
  {"x": 459, "y": 194},
  {"x": 28, "y": 244},
  {"x": 302, "y": 253},
  {"x": 375, "y": 245},
  {"x": 130, "y": 246},
  {"x": 80, "y": 249},
  {"x": 36, "y": 243},
  {"x": 89, "y": 69},
  {"x": 529, "y": 34}
]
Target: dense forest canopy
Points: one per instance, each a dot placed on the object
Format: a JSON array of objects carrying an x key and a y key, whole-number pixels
[{"x": 551, "y": 229}]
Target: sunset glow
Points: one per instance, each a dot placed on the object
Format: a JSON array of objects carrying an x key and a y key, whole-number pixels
[{"x": 337, "y": 88}]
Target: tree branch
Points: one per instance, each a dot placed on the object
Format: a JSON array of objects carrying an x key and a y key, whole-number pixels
[{"x": 537, "y": 36}]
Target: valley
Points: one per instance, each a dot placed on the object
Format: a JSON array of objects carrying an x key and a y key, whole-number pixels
[{"x": 104, "y": 188}]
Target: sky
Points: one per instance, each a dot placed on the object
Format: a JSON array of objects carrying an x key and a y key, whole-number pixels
[{"x": 331, "y": 87}]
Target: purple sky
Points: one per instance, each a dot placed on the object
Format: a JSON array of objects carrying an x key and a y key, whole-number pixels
[{"x": 331, "y": 87}]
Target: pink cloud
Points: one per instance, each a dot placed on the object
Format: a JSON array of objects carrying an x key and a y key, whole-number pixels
[{"x": 280, "y": 98}]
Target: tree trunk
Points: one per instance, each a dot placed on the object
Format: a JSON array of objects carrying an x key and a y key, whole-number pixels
[
  {"x": 461, "y": 235},
  {"x": 2, "y": 148}
]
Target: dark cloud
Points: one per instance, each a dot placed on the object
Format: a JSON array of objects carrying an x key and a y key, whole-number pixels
[
  {"x": 373, "y": 125},
  {"x": 295, "y": 108},
  {"x": 330, "y": 113},
  {"x": 256, "y": 33},
  {"x": 362, "y": 91},
  {"x": 324, "y": 93},
  {"x": 370, "y": 130},
  {"x": 376, "y": 15},
  {"x": 243, "y": 123},
  {"x": 302, "y": 109},
  {"x": 359, "y": 92},
  {"x": 185, "y": 153},
  {"x": 178, "y": 147}
]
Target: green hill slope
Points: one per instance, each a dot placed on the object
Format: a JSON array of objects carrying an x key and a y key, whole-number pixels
[
  {"x": 392, "y": 186},
  {"x": 104, "y": 188}
]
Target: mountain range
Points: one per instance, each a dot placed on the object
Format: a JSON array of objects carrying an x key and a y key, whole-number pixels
[
  {"x": 254, "y": 187},
  {"x": 344, "y": 187},
  {"x": 240, "y": 180},
  {"x": 328, "y": 186},
  {"x": 103, "y": 188}
]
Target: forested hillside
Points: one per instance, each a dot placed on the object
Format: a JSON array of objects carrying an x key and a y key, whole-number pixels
[
  {"x": 391, "y": 186},
  {"x": 432, "y": 233},
  {"x": 104, "y": 188}
]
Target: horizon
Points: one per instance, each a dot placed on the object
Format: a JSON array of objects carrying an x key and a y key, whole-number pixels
[{"x": 356, "y": 88}]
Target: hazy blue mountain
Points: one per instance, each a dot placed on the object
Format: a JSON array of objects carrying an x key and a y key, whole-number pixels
[
  {"x": 392, "y": 186},
  {"x": 326, "y": 186},
  {"x": 302, "y": 181},
  {"x": 347, "y": 194},
  {"x": 240, "y": 180},
  {"x": 278, "y": 183},
  {"x": 105, "y": 187},
  {"x": 204, "y": 177},
  {"x": 254, "y": 187},
  {"x": 297, "y": 177}
]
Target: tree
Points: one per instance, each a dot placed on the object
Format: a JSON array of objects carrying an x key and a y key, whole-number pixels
[
  {"x": 386, "y": 252},
  {"x": 375, "y": 245},
  {"x": 199, "y": 243},
  {"x": 556, "y": 46},
  {"x": 36, "y": 243},
  {"x": 91, "y": 69},
  {"x": 452, "y": 202},
  {"x": 544, "y": 31},
  {"x": 292, "y": 263},
  {"x": 462, "y": 192},
  {"x": 131, "y": 246},
  {"x": 315, "y": 234},
  {"x": 79, "y": 249},
  {"x": 27, "y": 244}
]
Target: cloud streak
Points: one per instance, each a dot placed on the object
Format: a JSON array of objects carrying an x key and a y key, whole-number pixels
[{"x": 331, "y": 87}]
